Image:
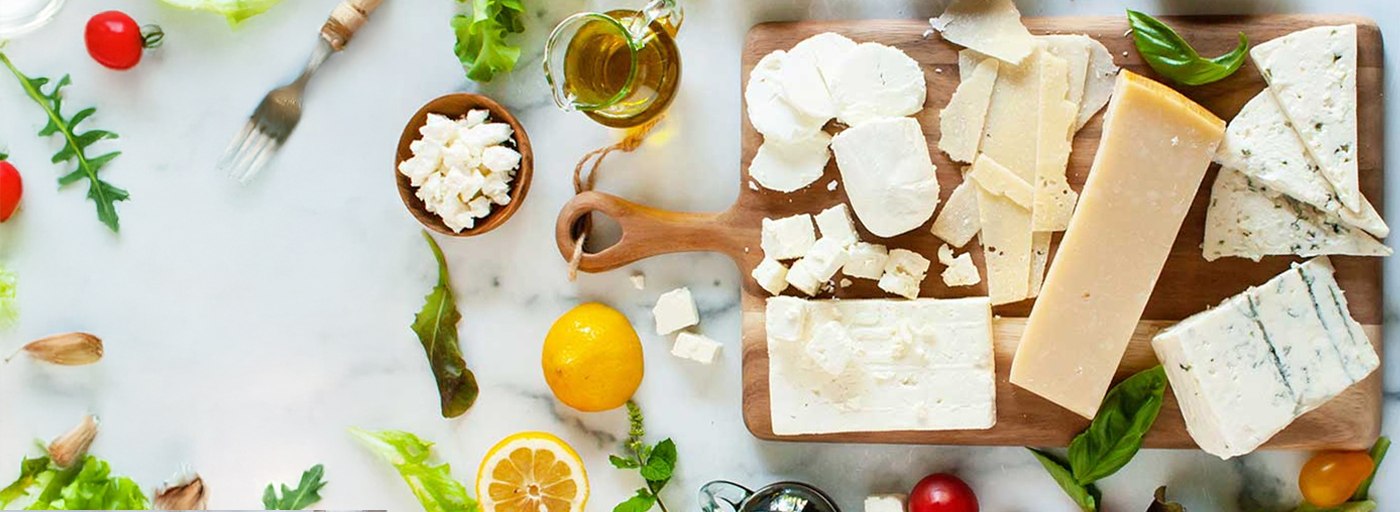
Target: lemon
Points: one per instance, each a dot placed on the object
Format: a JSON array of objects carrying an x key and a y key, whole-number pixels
[
  {"x": 592, "y": 358},
  {"x": 532, "y": 472}
]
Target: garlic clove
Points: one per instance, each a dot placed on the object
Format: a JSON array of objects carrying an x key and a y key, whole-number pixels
[
  {"x": 183, "y": 492},
  {"x": 71, "y": 349},
  {"x": 68, "y": 449}
]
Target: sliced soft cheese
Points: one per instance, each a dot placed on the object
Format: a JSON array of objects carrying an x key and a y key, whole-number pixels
[
  {"x": 1054, "y": 199},
  {"x": 889, "y": 176},
  {"x": 960, "y": 123},
  {"x": 958, "y": 222},
  {"x": 960, "y": 270},
  {"x": 1244, "y": 370},
  {"x": 1312, "y": 73},
  {"x": 769, "y": 112},
  {"x": 992, "y": 27},
  {"x": 1261, "y": 143},
  {"x": 875, "y": 81},
  {"x": 828, "y": 48},
  {"x": 788, "y": 165},
  {"x": 803, "y": 86},
  {"x": 1098, "y": 83},
  {"x": 1247, "y": 220},
  {"x": 923, "y": 364},
  {"x": 1155, "y": 150},
  {"x": 995, "y": 179}
]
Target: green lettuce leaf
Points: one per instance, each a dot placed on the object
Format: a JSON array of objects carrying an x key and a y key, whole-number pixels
[
  {"x": 436, "y": 327},
  {"x": 481, "y": 37},
  {"x": 234, "y": 10},
  {"x": 432, "y": 484},
  {"x": 9, "y": 300},
  {"x": 86, "y": 486}
]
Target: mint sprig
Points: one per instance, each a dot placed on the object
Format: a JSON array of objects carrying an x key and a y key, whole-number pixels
[{"x": 656, "y": 464}]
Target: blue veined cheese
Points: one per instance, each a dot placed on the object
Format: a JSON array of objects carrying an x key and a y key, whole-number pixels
[
  {"x": 880, "y": 365},
  {"x": 1244, "y": 370},
  {"x": 1247, "y": 220}
]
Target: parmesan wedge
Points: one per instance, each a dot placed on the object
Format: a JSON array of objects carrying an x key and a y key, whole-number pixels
[
  {"x": 960, "y": 123},
  {"x": 992, "y": 27}
]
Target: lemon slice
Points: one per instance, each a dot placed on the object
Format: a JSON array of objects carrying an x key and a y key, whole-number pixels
[{"x": 532, "y": 472}]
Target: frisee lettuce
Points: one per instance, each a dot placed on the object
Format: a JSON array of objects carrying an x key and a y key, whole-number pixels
[
  {"x": 9, "y": 297},
  {"x": 86, "y": 486},
  {"x": 481, "y": 37},
  {"x": 432, "y": 484}
]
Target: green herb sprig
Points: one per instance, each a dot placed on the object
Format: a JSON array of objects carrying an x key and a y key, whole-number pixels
[
  {"x": 1171, "y": 56},
  {"x": 306, "y": 493},
  {"x": 436, "y": 327},
  {"x": 75, "y": 144},
  {"x": 1112, "y": 439},
  {"x": 655, "y": 463},
  {"x": 481, "y": 37}
]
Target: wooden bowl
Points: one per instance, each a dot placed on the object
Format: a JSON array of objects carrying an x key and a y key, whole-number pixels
[{"x": 455, "y": 106}]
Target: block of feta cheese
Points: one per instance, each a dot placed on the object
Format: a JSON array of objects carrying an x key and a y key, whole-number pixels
[
  {"x": 696, "y": 348},
  {"x": 787, "y": 238},
  {"x": 771, "y": 276},
  {"x": 886, "y": 503},
  {"x": 889, "y": 176},
  {"x": 992, "y": 27},
  {"x": 675, "y": 310},
  {"x": 835, "y": 223},
  {"x": 875, "y": 81},
  {"x": 880, "y": 365},
  {"x": 788, "y": 165},
  {"x": 865, "y": 261},
  {"x": 904, "y": 271},
  {"x": 1247, "y": 220},
  {"x": 1244, "y": 370},
  {"x": 960, "y": 271}
]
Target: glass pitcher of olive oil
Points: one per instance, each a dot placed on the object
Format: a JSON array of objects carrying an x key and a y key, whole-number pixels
[{"x": 620, "y": 67}]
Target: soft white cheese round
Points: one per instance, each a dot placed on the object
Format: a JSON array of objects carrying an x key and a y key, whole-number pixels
[
  {"x": 769, "y": 112},
  {"x": 786, "y": 166},
  {"x": 829, "y": 49},
  {"x": 875, "y": 81},
  {"x": 889, "y": 177}
]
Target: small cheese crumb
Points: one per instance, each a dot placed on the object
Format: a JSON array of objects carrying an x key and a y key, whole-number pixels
[
  {"x": 866, "y": 261},
  {"x": 831, "y": 187},
  {"x": 696, "y": 348},
  {"x": 904, "y": 270},
  {"x": 639, "y": 281},
  {"x": 885, "y": 503},
  {"x": 771, "y": 276},
  {"x": 753, "y": 186},
  {"x": 961, "y": 270},
  {"x": 675, "y": 310},
  {"x": 846, "y": 283}
]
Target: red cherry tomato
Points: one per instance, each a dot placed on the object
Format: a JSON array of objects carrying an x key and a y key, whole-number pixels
[
  {"x": 942, "y": 492},
  {"x": 116, "y": 41},
  {"x": 11, "y": 188}
]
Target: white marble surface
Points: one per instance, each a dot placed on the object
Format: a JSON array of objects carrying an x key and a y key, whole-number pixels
[{"x": 248, "y": 327}]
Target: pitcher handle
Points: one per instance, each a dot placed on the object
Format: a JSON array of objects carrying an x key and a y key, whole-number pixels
[
  {"x": 669, "y": 11},
  {"x": 722, "y": 493}
]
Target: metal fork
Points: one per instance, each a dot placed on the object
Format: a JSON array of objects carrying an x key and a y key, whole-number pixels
[{"x": 278, "y": 113}]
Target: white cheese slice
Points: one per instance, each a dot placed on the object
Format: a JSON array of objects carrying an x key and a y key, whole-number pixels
[
  {"x": 1054, "y": 199},
  {"x": 875, "y": 81},
  {"x": 826, "y": 50},
  {"x": 1312, "y": 73},
  {"x": 769, "y": 113},
  {"x": 1244, "y": 370},
  {"x": 1247, "y": 220},
  {"x": 960, "y": 270},
  {"x": 889, "y": 176},
  {"x": 1261, "y": 143},
  {"x": 788, "y": 237},
  {"x": 866, "y": 261},
  {"x": 958, "y": 222},
  {"x": 675, "y": 310},
  {"x": 771, "y": 276},
  {"x": 803, "y": 86},
  {"x": 788, "y": 165},
  {"x": 1098, "y": 83},
  {"x": 1074, "y": 49},
  {"x": 696, "y": 348},
  {"x": 835, "y": 223},
  {"x": 1006, "y": 247},
  {"x": 960, "y": 123},
  {"x": 992, "y": 27},
  {"x": 995, "y": 179},
  {"x": 918, "y": 365}
]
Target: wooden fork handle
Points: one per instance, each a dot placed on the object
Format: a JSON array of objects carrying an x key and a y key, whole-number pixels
[
  {"x": 646, "y": 232},
  {"x": 347, "y": 18}
]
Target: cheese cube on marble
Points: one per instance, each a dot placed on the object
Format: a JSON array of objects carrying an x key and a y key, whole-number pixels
[
  {"x": 695, "y": 348},
  {"x": 866, "y": 261},
  {"x": 835, "y": 223},
  {"x": 885, "y": 503},
  {"x": 675, "y": 310},
  {"x": 771, "y": 276},
  {"x": 787, "y": 238}
]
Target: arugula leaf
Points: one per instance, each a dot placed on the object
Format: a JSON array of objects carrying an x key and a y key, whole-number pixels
[
  {"x": 1378, "y": 452},
  {"x": 481, "y": 45},
  {"x": 86, "y": 486},
  {"x": 1115, "y": 435},
  {"x": 436, "y": 327},
  {"x": 304, "y": 495},
  {"x": 234, "y": 10},
  {"x": 1171, "y": 56},
  {"x": 1086, "y": 496},
  {"x": 656, "y": 463},
  {"x": 9, "y": 300},
  {"x": 75, "y": 144},
  {"x": 1160, "y": 503},
  {"x": 433, "y": 485}
]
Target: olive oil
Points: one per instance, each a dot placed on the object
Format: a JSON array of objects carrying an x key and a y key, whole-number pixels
[{"x": 598, "y": 70}]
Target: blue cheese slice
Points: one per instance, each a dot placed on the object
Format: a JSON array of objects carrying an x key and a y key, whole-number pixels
[
  {"x": 1244, "y": 370},
  {"x": 1248, "y": 220},
  {"x": 1312, "y": 73}
]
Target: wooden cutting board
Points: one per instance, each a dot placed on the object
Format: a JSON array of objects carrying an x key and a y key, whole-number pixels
[{"x": 1188, "y": 283}]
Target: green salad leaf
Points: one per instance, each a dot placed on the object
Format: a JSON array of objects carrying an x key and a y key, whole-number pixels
[
  {"x": 436, "y": 327},
  {"x": 1171, "y": 56},
  {"x": 75, "y": 144},
  {"x": 432, "y": 484},
  {"x": 234, "y": 10},
  {"x": 481, "y": 37},
  {"x": 9, "y": 297},
  {"x": 306, "y": 493},
  {"x": 1084, "y": 495},
  {"x": 86, "y": 486}
]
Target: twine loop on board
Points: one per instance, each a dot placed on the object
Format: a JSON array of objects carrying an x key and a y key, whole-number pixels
[{"x": 585, "y": 180}]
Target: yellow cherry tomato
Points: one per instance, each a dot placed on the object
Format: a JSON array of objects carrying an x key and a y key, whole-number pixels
[{"x": 1329, "y": 479}]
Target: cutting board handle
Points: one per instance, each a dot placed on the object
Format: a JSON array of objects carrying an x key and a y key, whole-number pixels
[{"x": 646, "y": 231}]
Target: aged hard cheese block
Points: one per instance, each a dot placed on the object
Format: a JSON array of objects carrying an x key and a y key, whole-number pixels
[
  {"x": 888, "y": 173},
  {"x": 960, "y": 123},
  {"x": 992, "y": 27},
  {"x": 1244, "y": 370},
  {"x": 1155, "y": 150},
  {"x": 880, "y": 365},
  {"x": 1247, "y": 220}
]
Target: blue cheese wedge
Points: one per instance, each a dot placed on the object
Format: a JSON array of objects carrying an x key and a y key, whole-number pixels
[
  {"x": 889, "y": 176},
  {"x": 880, "y": 365},
  {"x": 1247, "y": 220},
  {"x": 1244, "y": 370},
  {"x": 1312, "y": 73}
]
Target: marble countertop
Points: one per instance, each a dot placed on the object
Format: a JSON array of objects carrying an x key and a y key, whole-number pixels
[{"x": 248, "y": 327}]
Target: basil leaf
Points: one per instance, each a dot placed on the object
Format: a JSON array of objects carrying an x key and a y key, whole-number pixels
[
  {"x": 1086, "y": 496},
  {"x": 621, "y": 463},
  {"x": 1115, "y": 435},
  {"x": 1171, "y": 56},
  {"x": 1160, "y": 503},
  {"x": 1378, "y": 451},
  {"x": 436, "y": 327}
]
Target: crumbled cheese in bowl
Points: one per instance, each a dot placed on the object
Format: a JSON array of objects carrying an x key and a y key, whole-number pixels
[{"x": 462, "y": 168}]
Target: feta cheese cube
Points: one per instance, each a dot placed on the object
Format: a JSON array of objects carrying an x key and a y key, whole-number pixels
[
  {"x": 900, "y": 284},
  {"x": 771, "y": 276},
  {"x": 824, "y": 258},
  {"x": 675, "y": 310},
  {"x": 438, "y": 129},
  {"x": 639, "y": 281},
  {"x": 500, "y": 159},
  {"x": 695, "y": 348},
  {"x": 866, "y": 261},
  {"x": 802, "y": 278},
  {"x": 788, "y": 237},
  {"x": 885, "y": 503},
  {"x": 474, "y": 117},
  {"x": 835, "y": 223},
  {"x": 960, "y": 271},
  {"x": 486, "y": 135},
  {"x": 905, "y": 262},
  {"x": 830, "y": 348}
]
